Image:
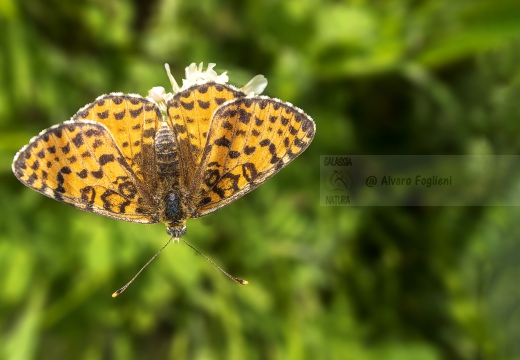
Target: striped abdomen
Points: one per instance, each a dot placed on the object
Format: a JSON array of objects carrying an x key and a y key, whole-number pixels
[{"x": 167, "y": 159}]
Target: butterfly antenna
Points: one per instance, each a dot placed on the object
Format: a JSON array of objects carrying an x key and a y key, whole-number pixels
[
  {"x": 235, "y": 279},
  {"x": 118, "y": 292}
]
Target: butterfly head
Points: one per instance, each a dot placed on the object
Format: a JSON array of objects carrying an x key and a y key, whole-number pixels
[{"x": 176, "y": 231}]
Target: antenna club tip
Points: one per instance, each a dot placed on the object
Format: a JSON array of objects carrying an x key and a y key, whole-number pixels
[
  {"x": 244, "y": 282},
  {"x": 116, "y": 293}
]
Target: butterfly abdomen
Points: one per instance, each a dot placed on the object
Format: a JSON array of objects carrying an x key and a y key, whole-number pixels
[{"x": 166, "y": 151}]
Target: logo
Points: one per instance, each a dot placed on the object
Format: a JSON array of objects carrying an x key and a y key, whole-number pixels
[{"x": 337, "y": 181}]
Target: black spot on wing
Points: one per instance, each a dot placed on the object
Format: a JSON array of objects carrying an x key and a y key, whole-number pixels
[
  {"x": 227, "y": 125},
  {"x": 265, "y": 142},
  {"x": 249, "y": 171},
  {"x": 88, "y": 195},
  {"x": 203, "y": 104},
  {"x": 106, "y": 158},
  {"x": 120, "y": 115},
  {"x": 222, "y": 142},
  {"x": 203, "y": 88},
  {"x": 248, "y": 150},
  {"x": 244, "y": 116},
  {"x": 118, "y": 100},
  {"x": 136, "y": 112},
  {"x": 188, "y": 105},
  {"x": 98, "y": 174},
  {"x": 78, "y": 140},
  {"x": 82, "y": 174},
  {"x": 102, "y": 115},
  {"x": 92, "y": 132},
  {"x": 234, "y": 154}
]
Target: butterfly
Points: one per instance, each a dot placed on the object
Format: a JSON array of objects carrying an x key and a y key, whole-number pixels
[{"x": 167, "y": 157}]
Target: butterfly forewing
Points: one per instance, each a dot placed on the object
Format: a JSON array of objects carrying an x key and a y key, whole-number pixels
[
  {"x": 80, "y": 164},
  {"x": 250, "y": 139},
  {"x": 133, "y": 122},
  {"x": 189, "y": 116}
]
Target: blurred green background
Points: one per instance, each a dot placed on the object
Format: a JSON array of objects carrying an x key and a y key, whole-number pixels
[{"x": 378, "y": 77}]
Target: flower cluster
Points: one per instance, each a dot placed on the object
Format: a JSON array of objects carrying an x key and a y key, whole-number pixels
[{"x": 196, "y": 75}]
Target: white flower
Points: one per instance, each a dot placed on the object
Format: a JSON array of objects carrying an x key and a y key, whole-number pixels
[
  {"x": 255, "y": 86},
  {"x": 157, "y": 94},
  {"x": 195, "y": 75}
]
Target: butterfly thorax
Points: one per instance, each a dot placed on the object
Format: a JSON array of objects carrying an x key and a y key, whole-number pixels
[{"x": 174, "y": 211}]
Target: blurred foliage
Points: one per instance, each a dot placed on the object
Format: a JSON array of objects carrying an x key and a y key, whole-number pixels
[{"x": 379, "y": 77}]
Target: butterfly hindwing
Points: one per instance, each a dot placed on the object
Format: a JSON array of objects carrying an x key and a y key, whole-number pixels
[
  {"x": 189, "y": 116},
  {"x": 78, "y": 163},
  {"x": 250, "y": 140}
]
